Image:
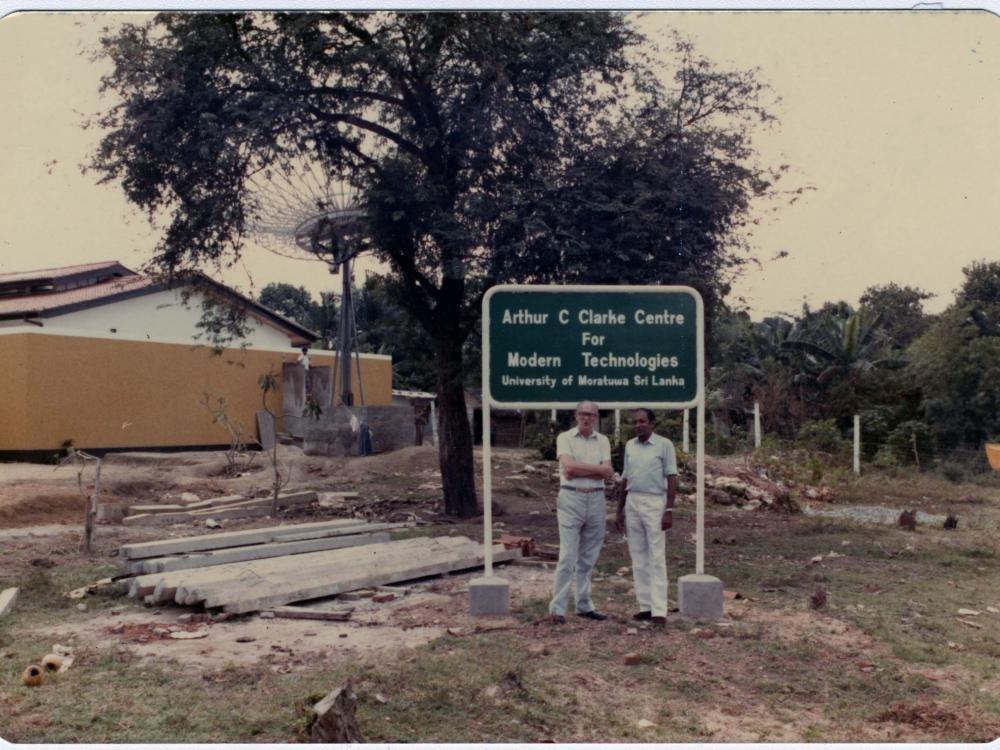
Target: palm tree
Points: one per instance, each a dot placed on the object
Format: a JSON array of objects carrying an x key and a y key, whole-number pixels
[
  {"x": 838, "y": 349},
  {"x": 753, "y": 366}
]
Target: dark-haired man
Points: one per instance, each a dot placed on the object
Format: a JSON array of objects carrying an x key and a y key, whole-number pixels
[{"x": 645, "y": 511}]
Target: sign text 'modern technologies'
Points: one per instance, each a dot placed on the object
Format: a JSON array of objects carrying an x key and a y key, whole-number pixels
[{"x": 558, "y": 345}]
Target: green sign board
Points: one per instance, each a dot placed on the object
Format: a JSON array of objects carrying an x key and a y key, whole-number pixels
[{"x": 554, "y": 346}]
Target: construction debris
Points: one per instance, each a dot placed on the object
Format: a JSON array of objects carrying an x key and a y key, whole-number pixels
[
  {"x": 525, "y": 543},
  {"x": 750, "y": 491},
  {"x": 223, "y": 571},
  {"x": 230, "y": 506},
  {"x": 307, "y": 613},
  {"x": 345, "y": 536},
  {"x": 33, "y": 675},
  {"x": 182, "y": 635},
  {"x": 907, "y": 520},
  {"x": 547, "y": 551},
  {"x": 286, "y": 533},
  {"x": 7, "y": 599},
  {"x": 88, "y": 589}
]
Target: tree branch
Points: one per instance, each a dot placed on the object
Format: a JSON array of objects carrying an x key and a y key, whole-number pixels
[{"x": 371, "y": 127}]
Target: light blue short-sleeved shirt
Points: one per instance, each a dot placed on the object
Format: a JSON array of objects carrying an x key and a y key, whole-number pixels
[
  {"x": 647, "y": 464},
  {"x": 586, "y": 450}
]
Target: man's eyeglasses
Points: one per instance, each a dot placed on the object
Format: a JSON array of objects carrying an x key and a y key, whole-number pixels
[{"x": 587, "y": 414}]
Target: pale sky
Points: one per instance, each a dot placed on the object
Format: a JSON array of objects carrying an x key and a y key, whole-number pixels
[{"x": 891, "y": 116}]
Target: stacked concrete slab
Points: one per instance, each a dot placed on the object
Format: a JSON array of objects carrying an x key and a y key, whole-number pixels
[{"x": 247, "y": 571}]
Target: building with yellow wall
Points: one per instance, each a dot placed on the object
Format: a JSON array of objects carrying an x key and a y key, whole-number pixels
[{"x": 107, "y": 359}]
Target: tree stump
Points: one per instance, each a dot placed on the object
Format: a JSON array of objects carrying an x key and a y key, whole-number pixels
[{"x": 335, "y": 721}]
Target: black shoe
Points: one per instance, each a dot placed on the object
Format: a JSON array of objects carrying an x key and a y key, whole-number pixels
[
  {"x": 592, "y": 615},
  {"x": 557, "y": 619},
  {"x": 659, "y": 622},
  {"x": 644, "y": 615}
]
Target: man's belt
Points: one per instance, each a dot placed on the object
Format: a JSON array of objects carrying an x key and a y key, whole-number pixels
[{"x": 581, "y": 489}]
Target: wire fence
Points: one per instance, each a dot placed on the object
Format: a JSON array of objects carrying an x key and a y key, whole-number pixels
[{"x": 723, "y": 439}]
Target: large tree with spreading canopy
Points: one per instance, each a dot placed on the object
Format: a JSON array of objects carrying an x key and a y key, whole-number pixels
[{"x": 486, "y": 147}]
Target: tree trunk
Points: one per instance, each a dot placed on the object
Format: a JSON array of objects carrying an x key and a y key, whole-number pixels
[
  {"x": 455, "y": 448},
  {"x": 88, "y": 526},
  {"x": 335, "y": 717}
]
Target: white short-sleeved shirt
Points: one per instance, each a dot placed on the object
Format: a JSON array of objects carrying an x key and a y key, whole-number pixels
[
  {"x": 587, "y": 450},
  {"x": 647, "y": 464}
]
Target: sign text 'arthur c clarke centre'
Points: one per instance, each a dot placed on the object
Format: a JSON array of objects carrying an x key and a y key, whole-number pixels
[{"x": 614, "y": 345}]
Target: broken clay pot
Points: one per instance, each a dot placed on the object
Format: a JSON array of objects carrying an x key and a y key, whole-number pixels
[{"x": 33, "y": 675}]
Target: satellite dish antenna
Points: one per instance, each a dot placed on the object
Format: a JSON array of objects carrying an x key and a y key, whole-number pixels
[{"x": 303, "y": 212}]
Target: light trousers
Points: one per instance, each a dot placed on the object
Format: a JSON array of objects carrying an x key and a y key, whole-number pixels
[
  {"x": 647, "y": 547},
  {"x": 582, "y": 523}
]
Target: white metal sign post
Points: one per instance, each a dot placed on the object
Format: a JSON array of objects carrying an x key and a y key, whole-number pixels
[{"x": 623, "y": 347}]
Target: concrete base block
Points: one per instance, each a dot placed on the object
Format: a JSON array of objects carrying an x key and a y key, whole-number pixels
[
  {"x": 489, "y": 596},
  {"x": 699, "y": 597}
]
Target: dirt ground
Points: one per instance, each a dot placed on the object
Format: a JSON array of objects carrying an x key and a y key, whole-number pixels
[
  {"x": 428, "y": 611},
  {"x": 774, "y": 669}
]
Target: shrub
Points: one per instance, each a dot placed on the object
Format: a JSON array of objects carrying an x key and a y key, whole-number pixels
[
  {"x": 885, "y": 458},
  {"x": 952, "y": 472},
  {"x": 910, "y": 442},
  {"x": 814, "y": 468},
  {"x": 876, "y": 424},
  {"x": 540, "y": 435},
  {"x": 719, "y": 443},
  {"x": 821, "y": 435}
]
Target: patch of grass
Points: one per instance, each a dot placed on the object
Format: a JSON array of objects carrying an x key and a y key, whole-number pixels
[
  {"x": 532, "y": 609},
  {"x": 43, "y": 590},
  {"x": 104, "y": 699}
]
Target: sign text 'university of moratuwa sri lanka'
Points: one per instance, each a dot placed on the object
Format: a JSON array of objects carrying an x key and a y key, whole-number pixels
[{"x": 555, "y": 346}]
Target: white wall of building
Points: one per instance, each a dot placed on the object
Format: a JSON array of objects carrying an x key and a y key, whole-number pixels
[{"x": 159, "y": 316}]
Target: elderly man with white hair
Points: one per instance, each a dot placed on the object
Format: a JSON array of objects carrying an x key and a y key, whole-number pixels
[{"x": 584, "y": 463}]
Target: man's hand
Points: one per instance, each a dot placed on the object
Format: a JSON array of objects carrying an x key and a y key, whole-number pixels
[
  {"x": 607, "y": 471},
  {"x": 667, "y": 522}
]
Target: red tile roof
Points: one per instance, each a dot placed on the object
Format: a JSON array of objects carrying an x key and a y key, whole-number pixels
[
  {"x": 32, "y": 304},
  {"x": 55, "y": 273},
  {"x": 91, "y": 284}
]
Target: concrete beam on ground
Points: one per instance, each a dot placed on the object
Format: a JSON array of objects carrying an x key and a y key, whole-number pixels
[
  {"x": 258, "y": 510},
  {"x": 307, "y": 613},
  {"x": 190, "y": 583},
  {"x": 135, "y": 510},
  {"x": 8, "y": 597},
  {"x": 285, "y": 532},
  {"x": 319, "y": 565},
  {"x": 259, "y": 552},
  {"x": 144, "y": 566},
  {"x": 144, "y": 585},
  {"x": 334, "y": 562},
  {"x": 287, "y": 500},
  {"x": 428, "y": 566},
  {"x": 213, "y": 502}
]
